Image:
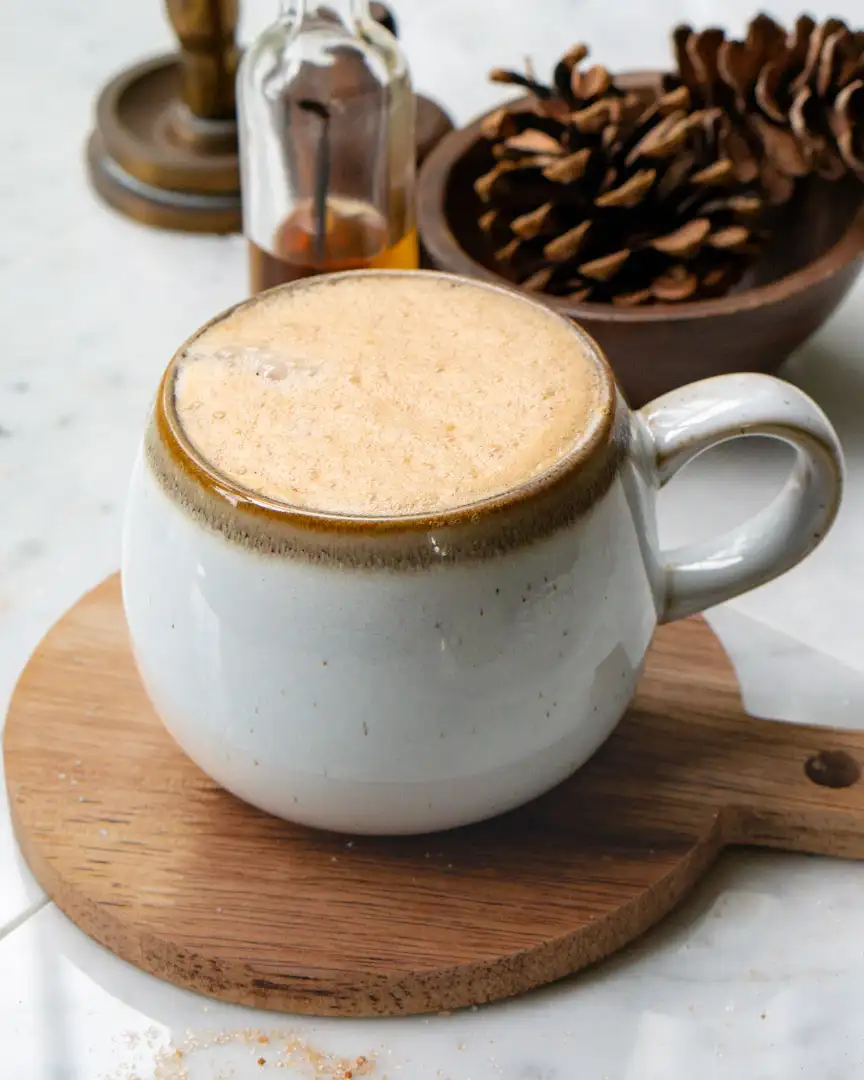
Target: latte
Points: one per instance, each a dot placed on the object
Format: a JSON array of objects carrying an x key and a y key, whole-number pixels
[{"x": 377, "y": 395}]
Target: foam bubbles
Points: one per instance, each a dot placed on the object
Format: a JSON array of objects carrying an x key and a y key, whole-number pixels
[
  {"x": 273, "y": 365},
  {"x": 274, "y": 370},
  {"x": 384, "y": 396}
]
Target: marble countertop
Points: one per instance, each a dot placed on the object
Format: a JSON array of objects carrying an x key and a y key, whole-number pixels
[{"x": 760, "y": 973}]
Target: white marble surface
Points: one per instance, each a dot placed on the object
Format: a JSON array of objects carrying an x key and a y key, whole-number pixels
[{"x": 760, "y": 974}]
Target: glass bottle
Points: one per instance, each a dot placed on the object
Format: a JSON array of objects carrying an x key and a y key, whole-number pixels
[{"x": 327, "y": 157}]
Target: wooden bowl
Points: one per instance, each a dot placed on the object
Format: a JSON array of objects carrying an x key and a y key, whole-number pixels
[{"x": 801, "y": 277}]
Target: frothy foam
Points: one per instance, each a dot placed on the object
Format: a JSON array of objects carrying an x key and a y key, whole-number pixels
[{"x": 377, "y": 395}]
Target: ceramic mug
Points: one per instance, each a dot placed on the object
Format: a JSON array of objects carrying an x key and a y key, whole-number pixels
[{"x": 403, "y": 675}]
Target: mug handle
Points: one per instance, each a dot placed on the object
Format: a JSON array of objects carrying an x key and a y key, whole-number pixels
[{"x": 681, "y": 424}]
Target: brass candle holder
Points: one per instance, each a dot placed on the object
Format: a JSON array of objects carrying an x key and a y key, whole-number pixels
[
  {"x": 164, "y": 147},
  {"x": 164, "y": 150}
]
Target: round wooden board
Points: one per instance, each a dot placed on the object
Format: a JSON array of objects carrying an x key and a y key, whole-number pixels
[{"x": 153, "y": 860}]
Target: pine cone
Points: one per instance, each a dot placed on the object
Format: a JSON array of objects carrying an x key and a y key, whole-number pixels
[
  {"x": 597, "y": 195},
  {"x": 795, "y": 101}
]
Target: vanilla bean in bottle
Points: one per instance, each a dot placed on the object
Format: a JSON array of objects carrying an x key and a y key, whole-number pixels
[{"x": 327, "y": 149}]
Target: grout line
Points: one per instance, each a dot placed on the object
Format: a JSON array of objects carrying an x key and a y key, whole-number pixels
[{"x": 26, "y": 914}]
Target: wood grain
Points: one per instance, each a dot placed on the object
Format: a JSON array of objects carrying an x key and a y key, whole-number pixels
[
  {"x": 157, "y": 863},
  {"x": 808, "y": 268}
]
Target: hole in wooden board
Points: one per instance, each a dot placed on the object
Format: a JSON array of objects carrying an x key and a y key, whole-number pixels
[{"x": 832, "y": 768}]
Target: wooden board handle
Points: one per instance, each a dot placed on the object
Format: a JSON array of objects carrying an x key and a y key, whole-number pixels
[
  {"x": 773, "y": 784},
  {"x": 802, "y": 791}
]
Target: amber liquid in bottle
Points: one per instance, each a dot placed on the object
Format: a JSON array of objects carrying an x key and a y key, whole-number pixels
[
  {"x": 355, "y": 238},
  {"x": 327, "y": 145}
]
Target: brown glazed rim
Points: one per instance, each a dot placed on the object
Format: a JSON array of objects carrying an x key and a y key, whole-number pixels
[
  {"x": 445, "y": 248},
  {"x": 598, "y": 441}
]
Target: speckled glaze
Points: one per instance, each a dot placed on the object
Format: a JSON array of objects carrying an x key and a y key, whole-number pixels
[{"x": 407, "y": 675}]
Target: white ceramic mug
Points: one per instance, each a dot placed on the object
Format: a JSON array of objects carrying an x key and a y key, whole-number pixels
[{"x": 411, "y": 674}]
